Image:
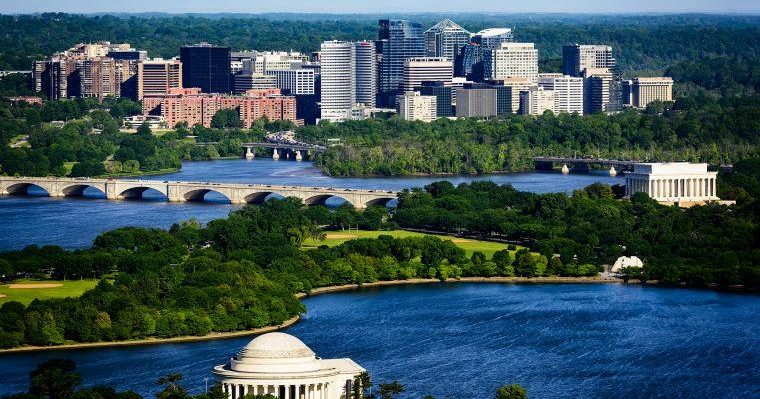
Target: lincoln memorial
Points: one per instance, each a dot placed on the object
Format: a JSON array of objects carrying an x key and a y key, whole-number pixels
[
  {"x": 281, "y": 365},
  {"x": 673, "y": 182}
]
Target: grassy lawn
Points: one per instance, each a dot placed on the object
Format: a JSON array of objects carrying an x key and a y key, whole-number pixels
[
  {"x": 338, "y": 237},
  {"x": 44, "y": 290}
]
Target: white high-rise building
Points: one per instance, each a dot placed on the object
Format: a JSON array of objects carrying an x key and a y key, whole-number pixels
[
  {"x": 492, "y": 38},
  {"x": 366, "y": 73},
  {"x": 338, "y": 60},
  {"x": 415, "y": 107},
  {"x": 430, "y": 69},
  {"x": 348, "y": 77},
  {"x": 536, "y": 101},
  {"x": 512, "y": 60},
  {"x": 568, "y": 92},
  {"x": 445, "y": 39},
  {"x": 296, "y": 81}
]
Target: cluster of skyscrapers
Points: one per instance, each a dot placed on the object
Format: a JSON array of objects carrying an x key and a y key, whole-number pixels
[{"x": 444, "y": 71}]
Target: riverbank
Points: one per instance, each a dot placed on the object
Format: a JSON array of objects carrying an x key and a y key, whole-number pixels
[
  {"x": 155, "y": 341},
  {"x": 313, "y": 292}
]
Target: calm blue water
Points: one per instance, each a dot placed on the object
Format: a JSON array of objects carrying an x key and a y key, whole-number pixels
[
  {"x": 74, "y": 223},
  {"x": 465, "y": 340}
]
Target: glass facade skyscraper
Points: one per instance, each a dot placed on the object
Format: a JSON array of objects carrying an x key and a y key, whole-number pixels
[
  {"x": 397, "y": 40},
  {"x": 206, "y": 67}
]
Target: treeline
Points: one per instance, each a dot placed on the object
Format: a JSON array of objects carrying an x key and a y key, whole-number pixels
[
  {"x": 637, "y": 40},
  {"x": 719, "y": 76},
  {"x": 699, "y": 128}
]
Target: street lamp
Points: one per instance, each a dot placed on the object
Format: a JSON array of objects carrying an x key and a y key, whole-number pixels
[{"x": 206, "y": 381}]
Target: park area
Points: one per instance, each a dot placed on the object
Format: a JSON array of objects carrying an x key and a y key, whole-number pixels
[
  {"x": 333, "y": 238},
  {"x": 25, "y": 291}
]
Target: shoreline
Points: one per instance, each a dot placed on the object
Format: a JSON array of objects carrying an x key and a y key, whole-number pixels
[{"x": 300, "y": 295}]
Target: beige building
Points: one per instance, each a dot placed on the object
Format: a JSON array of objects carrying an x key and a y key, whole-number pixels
[
  {"x": 568, "y": 92},
  {"x": 156, "y": 77},
  {"x": 639, "y": 92},
  {"x": 537, "y": 100},
  {"x": 516, "y": 85},
  {"x": 281, "y": 365},
  {"x": 428, "y": 69},
  {"x": 673, "y": 182},
  {"x": 415, "y": 107},
  {"x": 599, "y": 91},
  {"x": 512, "y": 60}
]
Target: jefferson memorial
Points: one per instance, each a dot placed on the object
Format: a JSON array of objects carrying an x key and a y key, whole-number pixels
[{"x": 281, "y": 365}]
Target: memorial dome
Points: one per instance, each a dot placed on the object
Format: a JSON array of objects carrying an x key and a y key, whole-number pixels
[{"x": 275, "y": 352}]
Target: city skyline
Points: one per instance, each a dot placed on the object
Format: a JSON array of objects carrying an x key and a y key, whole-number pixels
[{"x": 390, "y": 6}]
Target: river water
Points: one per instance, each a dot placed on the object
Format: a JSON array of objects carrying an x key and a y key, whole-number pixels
[
  {"x": 465, "y": 340},
  {"x": 75, "y": 222}
]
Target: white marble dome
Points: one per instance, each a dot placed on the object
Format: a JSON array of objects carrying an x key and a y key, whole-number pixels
[{"x": 275, "y": 352}]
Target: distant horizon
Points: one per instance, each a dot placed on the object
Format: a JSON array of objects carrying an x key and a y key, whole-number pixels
[
  {"x": 314, "y": 13},
  {"x": 664, "y": 7}
]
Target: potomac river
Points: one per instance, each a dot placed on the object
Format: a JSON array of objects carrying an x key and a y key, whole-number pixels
[
  {"x": 463, "y": 340},
  {"x": 75, "y": 222}
]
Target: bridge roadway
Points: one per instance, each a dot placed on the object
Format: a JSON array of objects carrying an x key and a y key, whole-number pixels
[
  {"x": 178, "y": 191},
  {"x": 595, "y": 161}
]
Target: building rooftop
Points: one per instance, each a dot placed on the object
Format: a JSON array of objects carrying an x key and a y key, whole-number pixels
[{"x": 493, "y": 32}]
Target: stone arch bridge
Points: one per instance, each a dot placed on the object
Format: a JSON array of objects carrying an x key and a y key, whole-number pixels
[{"x": 178, "y": 191}]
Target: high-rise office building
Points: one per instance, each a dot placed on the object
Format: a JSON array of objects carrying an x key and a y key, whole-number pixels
[
  {"x": 206, "y": 67},
  {"x": 639, "y": 92},
  {"x": 536, "y": 100},
  {"x": 294, "y": 81},
  {"x": 577, "y": 57},
  {"x": 347, "y": 78},
  {"x": 445, "y": 39},
  {"x": 98, "y": 78},
  {"x": 568, "y": 92},
  {"x": 338, "y": 60},
  {"x": 366, "y": 73},
  {"x": 156, "y": 77},
  {"x": 492, "y": 38},
  {"x": 515, "y": 86},
  {"x": 469, "y": 62},
  {"x": 512, "y": 60},
  {"x": 442, "y": 93},
  {"x": 397, "y": 40},
  {"x": 476, "y": 101},
  {"x": 412, "y": 106},
  {"x": 599, "y": 90},
  {"x": 426, "y": 69},
  {"x": 244, "y": 81}
]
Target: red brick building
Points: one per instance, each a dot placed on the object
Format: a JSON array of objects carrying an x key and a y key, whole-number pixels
[{"x": 195, "y": 108}]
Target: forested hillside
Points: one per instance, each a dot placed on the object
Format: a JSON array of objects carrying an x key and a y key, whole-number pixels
[{"x": 639, "y": 42}]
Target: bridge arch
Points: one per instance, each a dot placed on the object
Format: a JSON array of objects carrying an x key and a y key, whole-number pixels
[
  {"x": 137, "y": 192},
  {"x": 199, "y": 195},
  {"x": 322, "y": 199},
  {"x": 379, "y": 201},
  {"x": 259, "y": 197},
  {"x": 22, "y": 188},
  {"x": 78, "y": 190}
]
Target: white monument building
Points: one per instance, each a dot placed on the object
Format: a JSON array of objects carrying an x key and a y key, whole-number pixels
[
  {"x": 281, "y": 365},
  {"x": 673, "y": 182}
]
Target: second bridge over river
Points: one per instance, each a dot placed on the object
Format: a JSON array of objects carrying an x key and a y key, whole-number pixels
[{"x": 179, "y": 191}]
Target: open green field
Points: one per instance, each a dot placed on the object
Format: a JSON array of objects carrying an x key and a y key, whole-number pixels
[
  {"x": 25, "y": 291},
  {"x": 338, "y": 237}
]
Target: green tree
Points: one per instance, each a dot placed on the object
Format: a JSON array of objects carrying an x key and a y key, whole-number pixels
[
  {"x": 54, "y": 379},
  {"x": 513, "y": 391},
  {"x": 225, "y": 118},
  {"x": 390, "y": 390}
]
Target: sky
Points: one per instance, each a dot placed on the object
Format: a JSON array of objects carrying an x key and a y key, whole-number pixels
[{"x": 380, "y": 6}]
